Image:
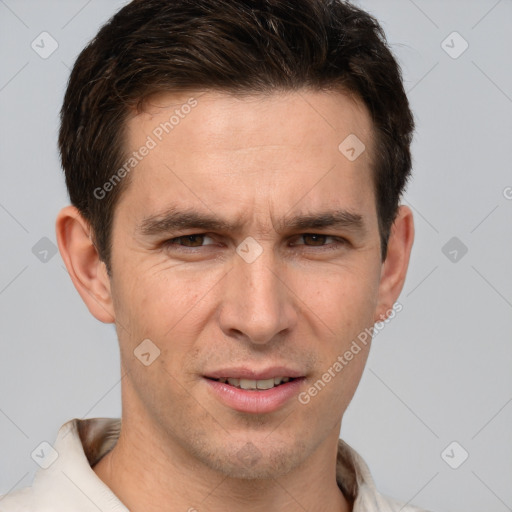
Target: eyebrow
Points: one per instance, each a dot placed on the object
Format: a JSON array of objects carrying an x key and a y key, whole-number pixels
[{"x": 174, "y": 220}]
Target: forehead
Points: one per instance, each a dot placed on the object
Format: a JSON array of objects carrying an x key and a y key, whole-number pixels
[
  {"x": 254, "y": 153},
  {"x": 227, "y": 121}
]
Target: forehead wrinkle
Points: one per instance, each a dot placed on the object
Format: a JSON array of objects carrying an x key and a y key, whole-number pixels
[
  {"x": 335, "y": 218},
  {"x": 175, "y": 218}
]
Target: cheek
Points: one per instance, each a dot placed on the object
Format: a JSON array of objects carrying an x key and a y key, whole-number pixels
[
  {"x": 345, "y": 299},
  {"x": 345, "y": 303},
  {"x": 162, "y": 304}
]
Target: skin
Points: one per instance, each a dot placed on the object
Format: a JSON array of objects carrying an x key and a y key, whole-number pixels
[{"x": 301, "y": 303}]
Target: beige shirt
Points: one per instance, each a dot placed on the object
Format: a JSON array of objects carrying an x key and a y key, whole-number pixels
[{"x": 66, "y": 482}]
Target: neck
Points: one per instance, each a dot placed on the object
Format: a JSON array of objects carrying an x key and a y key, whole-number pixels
[{"x": 149, "y": 474}]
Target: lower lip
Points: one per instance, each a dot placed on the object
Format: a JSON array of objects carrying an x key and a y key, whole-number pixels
[{"x": 252, "y": 401}]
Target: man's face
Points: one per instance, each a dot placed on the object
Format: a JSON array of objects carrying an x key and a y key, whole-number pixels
[{"x": 288, "y": 302}]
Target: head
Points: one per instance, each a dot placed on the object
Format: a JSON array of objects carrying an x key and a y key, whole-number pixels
[{"x": 218, "y": 210}]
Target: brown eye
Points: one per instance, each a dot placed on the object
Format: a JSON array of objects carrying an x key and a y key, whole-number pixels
[
  {"x": 320, "y": 241},
  {"x": 192, "y": 241},
  {"x": 317, "y": 240}
]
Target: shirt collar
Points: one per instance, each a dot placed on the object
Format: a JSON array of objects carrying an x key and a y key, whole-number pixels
[{"x": 81, "y": 443}]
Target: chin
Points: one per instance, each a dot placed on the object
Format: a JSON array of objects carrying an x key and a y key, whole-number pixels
[{"x": 255, "y": 461}]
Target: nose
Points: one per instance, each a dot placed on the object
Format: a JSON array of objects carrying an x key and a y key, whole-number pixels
[{"x": 258, "y": 303}]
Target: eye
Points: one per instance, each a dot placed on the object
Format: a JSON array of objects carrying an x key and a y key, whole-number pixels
[
  {"x": 198, "y": 240},
  {"x": 195, "y": 240},
  {"x": 319, "y": 240}
]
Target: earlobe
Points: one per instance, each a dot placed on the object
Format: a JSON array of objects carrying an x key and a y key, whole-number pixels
[
  {"x": 83, "y": 263},
  {"x": 394, "y": 268}
]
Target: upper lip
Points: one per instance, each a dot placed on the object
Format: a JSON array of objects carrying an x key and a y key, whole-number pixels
[{"x": 243, "y": 372}]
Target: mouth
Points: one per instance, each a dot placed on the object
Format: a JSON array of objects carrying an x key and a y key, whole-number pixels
[
  {"x": 255, "y": 392},
  {"x": 253, "y": 384}
]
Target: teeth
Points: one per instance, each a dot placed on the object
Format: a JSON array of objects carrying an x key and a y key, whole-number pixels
[
  {"x": 265, "y": 384},
  {"x": 252, "y": 384},
  {"x": 248, "y": 383}
]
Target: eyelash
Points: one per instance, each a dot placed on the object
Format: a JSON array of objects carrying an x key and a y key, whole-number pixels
[{"x": 173, "y": 241}]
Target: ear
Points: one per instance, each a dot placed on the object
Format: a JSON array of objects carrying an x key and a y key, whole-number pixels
[
  {"x": 87, "y": 271},
  {"x": 394, "y": 268}
]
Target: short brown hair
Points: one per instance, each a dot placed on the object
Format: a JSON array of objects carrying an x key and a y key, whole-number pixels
[{"x": 236, "y": 46}]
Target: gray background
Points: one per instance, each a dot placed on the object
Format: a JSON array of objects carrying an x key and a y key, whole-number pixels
[{"x": 439, "y": 372}]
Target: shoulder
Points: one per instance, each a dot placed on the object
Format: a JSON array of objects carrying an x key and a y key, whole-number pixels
[
  {"x": 20, "y": 500},
  {"x": 370, "y": 500},
  {"x": 58, "y": 486},
  {"x": 388, "y": 504},
  {"x": 354, "y": 476}
]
